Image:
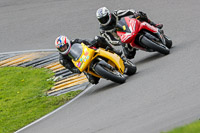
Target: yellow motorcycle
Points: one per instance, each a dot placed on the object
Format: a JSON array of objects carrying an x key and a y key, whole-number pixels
[{"x": 101, "y": 63}]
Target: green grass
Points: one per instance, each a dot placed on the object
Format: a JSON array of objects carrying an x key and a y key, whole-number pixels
[
  {"x": 23, "y": 96},
  {"x": 190, "y": 128}
]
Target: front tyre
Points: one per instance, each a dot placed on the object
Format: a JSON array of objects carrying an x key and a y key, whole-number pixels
[
  {"x": 156, "y": 46},
  {"x": 112, "y": 75}
]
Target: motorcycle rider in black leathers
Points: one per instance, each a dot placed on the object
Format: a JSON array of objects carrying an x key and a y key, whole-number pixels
[
  {"x": 63, "y": 44},
  {"x": 108, "y": 23}
]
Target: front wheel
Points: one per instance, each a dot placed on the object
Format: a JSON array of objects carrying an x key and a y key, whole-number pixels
[
  {"x": 156, "y": 46},
  {"x": 112, "y": 75}
]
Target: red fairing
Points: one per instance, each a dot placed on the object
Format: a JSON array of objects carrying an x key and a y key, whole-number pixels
[
  {"x": 134, "y": 26},
  {"x": 93, "y": 47},
  {"x": 147, "y": 26}
]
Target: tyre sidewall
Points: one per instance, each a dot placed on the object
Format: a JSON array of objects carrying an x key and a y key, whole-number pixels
[{"x": 108, "y": 75}]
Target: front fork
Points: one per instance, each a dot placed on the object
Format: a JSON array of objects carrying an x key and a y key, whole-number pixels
[{"x": 159, "y": 34}]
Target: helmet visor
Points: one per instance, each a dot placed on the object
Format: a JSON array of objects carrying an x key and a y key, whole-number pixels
[
  {"x": 104, "y": 19},
  {"x": 63, "y": 48}
]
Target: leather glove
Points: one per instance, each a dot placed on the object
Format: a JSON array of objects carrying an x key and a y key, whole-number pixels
[{"x": 143, "y": 16}]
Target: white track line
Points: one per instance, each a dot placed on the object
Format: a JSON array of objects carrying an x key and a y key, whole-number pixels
[
  {"x": 26, "y": 51},
  {"x": 89, "y": 87}
]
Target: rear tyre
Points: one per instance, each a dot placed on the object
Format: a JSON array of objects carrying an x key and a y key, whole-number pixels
[
  {"x": 156, "y": 46},
  {"x": 112, "y": 75}
]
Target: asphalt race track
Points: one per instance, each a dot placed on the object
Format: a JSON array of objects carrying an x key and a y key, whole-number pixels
[{"x": 163, "y": 94}]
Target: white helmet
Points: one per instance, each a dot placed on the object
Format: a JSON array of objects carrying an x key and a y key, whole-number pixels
[
  {"x": 103, "y": 15},
  {"x": 63, "y": 44}
]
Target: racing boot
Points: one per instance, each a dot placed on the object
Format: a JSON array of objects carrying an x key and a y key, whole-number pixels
[
  {"x": 156, "y": 25},
  {"x": 92, "y": 79},
  {"x": 129, "y": 51}
]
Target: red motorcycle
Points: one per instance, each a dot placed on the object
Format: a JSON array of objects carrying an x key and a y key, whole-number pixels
[{"x": 143, "y": 36}]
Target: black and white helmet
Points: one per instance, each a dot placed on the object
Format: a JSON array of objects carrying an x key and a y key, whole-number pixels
[{"x": 103, "y": 15}]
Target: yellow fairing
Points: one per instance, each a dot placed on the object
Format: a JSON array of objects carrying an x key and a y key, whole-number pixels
[
  {"x": 85, "y": 58},
  {"x": 114, "y": 59}
]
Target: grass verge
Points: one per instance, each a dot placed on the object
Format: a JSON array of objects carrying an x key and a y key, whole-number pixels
[
  {"x": 190, "y": 128},
  {"x": 23, "y": 96}
]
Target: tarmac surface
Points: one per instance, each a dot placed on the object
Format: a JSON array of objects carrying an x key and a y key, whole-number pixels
[{"x": 163, "y": 94}]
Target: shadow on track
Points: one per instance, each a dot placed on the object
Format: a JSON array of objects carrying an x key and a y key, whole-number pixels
[
  {"x": 152, "y": 57},
  {"x": 103, "y": 86},
  {"x": 106, "y": 85},
  {"x": 149, "y": 59}
]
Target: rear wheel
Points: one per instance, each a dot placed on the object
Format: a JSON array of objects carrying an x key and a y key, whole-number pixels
[
  {"x": 112, "y": 75},
  {"x": 156, "y": 46}
]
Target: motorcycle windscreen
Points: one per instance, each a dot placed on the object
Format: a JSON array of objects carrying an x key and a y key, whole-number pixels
[
  {"x": 124, "y": 33},
  {"x": 76, "y": 51},
  {"x": 122, "y": 26}
]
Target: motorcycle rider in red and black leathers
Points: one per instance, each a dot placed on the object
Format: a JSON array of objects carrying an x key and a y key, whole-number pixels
[
  {"x": 63, "y": 44},
  {"x": 108, "y": 22}
]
